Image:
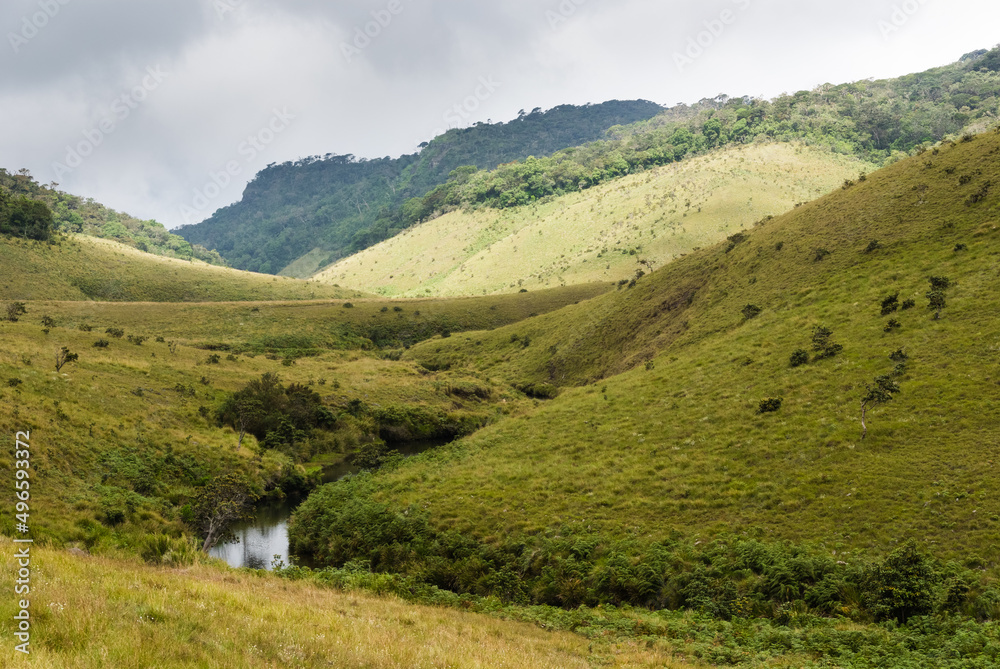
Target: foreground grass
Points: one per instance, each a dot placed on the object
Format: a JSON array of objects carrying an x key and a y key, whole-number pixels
[
  {"x": 599, "y": 234},
  {"x": 101, "y": 612},
  {"x": 78, "y": 267}
]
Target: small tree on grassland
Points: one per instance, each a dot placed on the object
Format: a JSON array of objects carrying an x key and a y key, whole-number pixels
[
  {"x": 880, "y": 391},
  {"x": 63, "y": 357},
  {"x": 224, "y": 501}
]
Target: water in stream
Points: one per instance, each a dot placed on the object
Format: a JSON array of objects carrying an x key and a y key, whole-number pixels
[{"x": 266, "y": 536}]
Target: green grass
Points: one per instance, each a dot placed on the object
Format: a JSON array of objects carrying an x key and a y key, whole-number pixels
[
  {"x": 77, "y": 267},
  {"x": 636, "y": 450},
  {"x": 599, "y": 234}
]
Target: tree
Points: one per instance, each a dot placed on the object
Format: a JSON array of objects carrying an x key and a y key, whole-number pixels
[
  {"x": 822, "y": 343},
  {"x": 937, "y": 302},
  {"x": 226, "y": 500},
  {"x": 64, "y": 357},
  {"x": 26, "y": 218},
  {"x": 247, "y": 410},
  {"x": 880, "y": 391}
]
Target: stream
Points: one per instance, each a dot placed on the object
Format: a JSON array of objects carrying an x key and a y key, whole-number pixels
[{"x": 265, "y": 536}]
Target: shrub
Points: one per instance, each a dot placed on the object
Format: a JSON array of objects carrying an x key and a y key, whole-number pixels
[
  {"x": 86, "y": 328},
  {"x": 769, "y": 405},
  {"x": 117, "y": 333},
  {"x": 751, "y": 311},
  {"x": 890, "y": 304},
  {"x": 384, "y": 309},
  {"x": 213, "y": 359},
  {"x": 14, "y": 383},
  {"x": 64, "y": 357},
  {"x": 940, "y": 283},
  {"x": 961, "y": 247},
  {"x": 821, "y": 253},
  {"x": 397, "y": 309},
  {"x": 779, "y": 246},
  {"x": 160, "y": 340},
  {"x": 799, "y": 357},
  {"x": 101, "y": 343},
  {"x": 348, "y": 305},
  {"x": 48, "y": 321},
  {"x": 15, "y": 310},
  {"x": 893, "y": 324},
  {"x": 936, "y": 302},
  {"x": 137, "y": 339},
  {"x": 908, "y": 304},
  {"x": 899, "y": 355},
  {"x": 822, "y": 343},
  {"x": 900, "y": 586},
  {"x": 873, "y": 246}
]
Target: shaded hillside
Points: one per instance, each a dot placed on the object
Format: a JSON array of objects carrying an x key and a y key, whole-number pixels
[
  {"x": 606, "y": 233},
  {"x": 329, "y": 206}
]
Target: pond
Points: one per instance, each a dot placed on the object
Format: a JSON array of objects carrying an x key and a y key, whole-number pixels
[{"x": 266, "y": 535}]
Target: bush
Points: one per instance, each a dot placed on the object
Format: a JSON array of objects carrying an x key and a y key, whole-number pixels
[
  {"x": 908, "y": 304},
  {"x": 822, "y": 343},
  {"x": 899, "y": 355},
  {"x": 213, "y": 359},
  {"x": 961, "y": 247},
  {"x": 751, "y": 311},
  {"x": 820, "y": 254},
  {"x": 348, "y": 305},
  {"x": 890, "y": 304},
  {"x": 15, "y": 310},
  {"x": 86, "y": 328},
  {"x": 893, "y": 324},
  {"x": 900, "y": 586},
  {"x": 873, "y": 246},
  {"x": 799, "y": 357},
  {"x": 48, "y": 321},
  {"x": 14, "y": 383},
  {"x": 101, "y": 343},
  {"x": 137, "y": 339},
  {"x": 769, "y": 405},
  {"x": 117, "y": 333}
]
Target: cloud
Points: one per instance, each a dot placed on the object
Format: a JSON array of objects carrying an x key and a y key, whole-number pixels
[{"x": 378, "y": 77}]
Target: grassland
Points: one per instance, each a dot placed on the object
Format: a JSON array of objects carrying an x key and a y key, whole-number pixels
[
  {"x": 657, "y": 428},
  {"x": 78, "y": 267},
  {"x": 600, "y": 234},
  {"x": 101, "y": 612}
]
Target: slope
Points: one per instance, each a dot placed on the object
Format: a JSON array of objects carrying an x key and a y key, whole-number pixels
[
  {"x": 683, "y": 447},
  {"x": 100, "y": 612},
  {"x": 79, "y": 267},
  {"x": 325, "y": 207},
  {"x": 601, "y": 234}
]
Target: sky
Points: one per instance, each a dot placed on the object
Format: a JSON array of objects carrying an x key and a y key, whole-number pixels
[{"x": 166, "y": 110}]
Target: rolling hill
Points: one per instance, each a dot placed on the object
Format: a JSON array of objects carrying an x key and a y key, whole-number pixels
[
  {"x": 695, "y": 459},
  {"x": 80, "y": 267},
  {"x": 602, "y": 233}
]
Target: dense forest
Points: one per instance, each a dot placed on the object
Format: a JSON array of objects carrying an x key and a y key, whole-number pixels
[
  {"x": 71, "y": 213},
  {"x": 343, "y": 204}
]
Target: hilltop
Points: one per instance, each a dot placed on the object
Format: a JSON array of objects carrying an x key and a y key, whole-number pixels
[{"x": 600, "y": 234}]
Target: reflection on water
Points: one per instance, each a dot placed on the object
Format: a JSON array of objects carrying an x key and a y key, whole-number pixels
[
  {"x": 266, "y": 535},
  {"x": 260, "y": 539}
]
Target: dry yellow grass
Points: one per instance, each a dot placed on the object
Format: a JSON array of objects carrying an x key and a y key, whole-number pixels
[
  {"x": 102, "y": 613},
  {"x": 590, "y": 236}
]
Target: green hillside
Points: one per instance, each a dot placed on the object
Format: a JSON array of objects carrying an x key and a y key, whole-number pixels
[
  {"x": 80, "y": 267},
  {"x": 666, "y": 475},
  {"x": 74, "y": 214},
  {"x": 601, "y": 234},
  {"x": 295, "y": 218}
]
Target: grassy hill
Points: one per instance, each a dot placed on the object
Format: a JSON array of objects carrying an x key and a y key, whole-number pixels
[
  {"x": 80, "y": 267},
  {"x": 100, "y": 612},
  {"x": 602, "y": 233},
  {"x": 297, "y": 217},
  {"x": 655, "y": 478}
]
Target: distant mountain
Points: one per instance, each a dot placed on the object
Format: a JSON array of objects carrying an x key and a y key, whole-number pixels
[{"x": 330, "y": 206}]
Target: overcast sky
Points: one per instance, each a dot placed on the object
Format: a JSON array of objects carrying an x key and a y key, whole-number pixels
[{"x": 139, "y": 103}]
